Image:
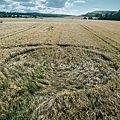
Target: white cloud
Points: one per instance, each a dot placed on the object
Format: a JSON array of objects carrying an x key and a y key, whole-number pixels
[
  {"x": 93, "y": 9},
  {"x": 68, "y": 4},
  {"x": 22, "y": 0},
  {"x": 79, "y": 1},
  {"x": 8, "y": 0},
  {"x": 43, "y": 6},
  {"x": 56, "y": 3}
]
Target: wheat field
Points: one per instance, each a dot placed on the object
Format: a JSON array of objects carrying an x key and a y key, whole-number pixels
[{"x": 59, "y": 69}]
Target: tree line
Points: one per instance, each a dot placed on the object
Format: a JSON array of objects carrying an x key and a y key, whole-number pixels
[
  {"x": 103, "y": 15},
  {"x": 28, "y": 15},
  {"x": 109, "y": 16}
]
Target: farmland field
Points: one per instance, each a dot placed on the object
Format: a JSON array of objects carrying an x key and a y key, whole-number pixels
[{"x": 59, "y": 69}]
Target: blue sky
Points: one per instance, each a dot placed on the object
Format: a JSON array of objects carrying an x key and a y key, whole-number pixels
[{"x": 75, "y": 7}]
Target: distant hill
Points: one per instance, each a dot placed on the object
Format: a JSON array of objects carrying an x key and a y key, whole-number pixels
[
  {"x": 28, "y": 15},
  {"x": 102, "y": 12},
  {"x": 93, "y": 14},
  {"x": 103, "y": 15}
]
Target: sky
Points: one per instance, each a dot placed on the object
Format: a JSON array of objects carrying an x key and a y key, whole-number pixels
[{"x": 72, "y": 7}]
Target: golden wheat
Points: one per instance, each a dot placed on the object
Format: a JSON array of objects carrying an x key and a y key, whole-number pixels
[{"x": 59, "y": 69}]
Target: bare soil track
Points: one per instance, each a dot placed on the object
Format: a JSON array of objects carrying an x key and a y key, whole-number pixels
[{"x": 69, "y": 72}]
